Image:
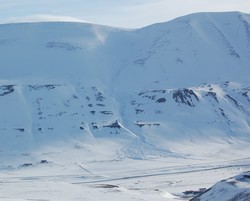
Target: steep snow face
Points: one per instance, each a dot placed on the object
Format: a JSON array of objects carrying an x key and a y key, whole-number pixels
[
  {"x": 235, "y": 188},
  {"x": 148, "y": 123},
  {"x": 39, "y": 51},
  {"x": 181, "y": 53},
  {"x": 148, "y": 91},
  {"x": 189, "y": 51}
]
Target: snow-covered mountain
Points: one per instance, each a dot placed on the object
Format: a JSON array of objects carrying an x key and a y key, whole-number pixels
[
  {"x": 80, "y": 102},
  {"x": 168, "y": 89}
]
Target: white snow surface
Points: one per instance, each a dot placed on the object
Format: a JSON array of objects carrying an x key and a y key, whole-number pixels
[
  {"x": 108, "y": 113},
  {"x": 234, "y": 188}
]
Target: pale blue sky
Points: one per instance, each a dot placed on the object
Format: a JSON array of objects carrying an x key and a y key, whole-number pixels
[{"x": 120, "y": 13}]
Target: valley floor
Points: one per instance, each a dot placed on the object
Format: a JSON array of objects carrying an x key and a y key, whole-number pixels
[{"x": 127, "y": 179}]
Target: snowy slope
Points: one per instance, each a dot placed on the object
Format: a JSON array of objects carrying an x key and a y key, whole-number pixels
[
  {"x": 235, "y": 188},
  {"x": 164, "y": 90}
]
